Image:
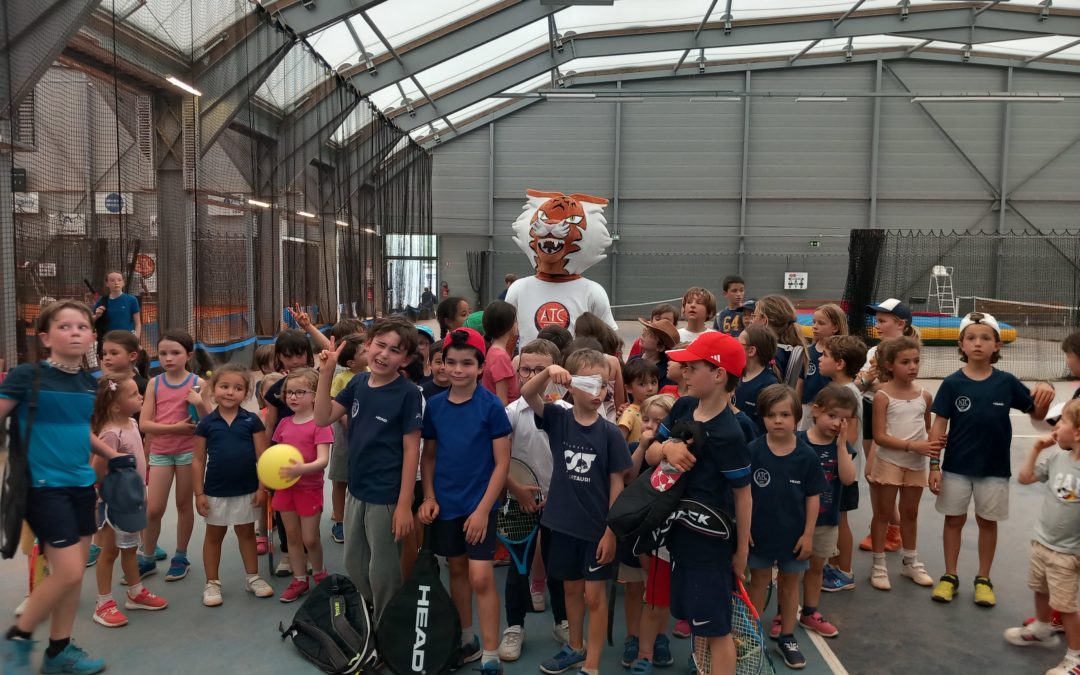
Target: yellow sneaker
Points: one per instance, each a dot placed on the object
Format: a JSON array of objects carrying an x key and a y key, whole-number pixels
[
  {"x": 984, "y": 592},
  {"x": 946, "y": 589}
]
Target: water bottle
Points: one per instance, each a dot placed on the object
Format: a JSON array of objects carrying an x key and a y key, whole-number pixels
[{"x": 192, "y": 411}]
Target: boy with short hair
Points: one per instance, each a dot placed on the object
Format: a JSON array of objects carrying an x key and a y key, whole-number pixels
[
  {"x": 699, "y": 308},
  {"x": 439, "y": 381},
  {"x": 466, "y": 460},
  {"x": 384, "y": 420},
  {"x": 351, "y": 361},
  {"x": 1055, "y": 552},
  {"x": 531, "y": 446},
  {"x": 121, "y": 310},
  {"x": 719, "y": 475},
  {"x": 972, "y": 405},
  {"x": 732, "y": 319},
  {"x": 641, "y": 379},
  {"x": 589, "y": 456}
]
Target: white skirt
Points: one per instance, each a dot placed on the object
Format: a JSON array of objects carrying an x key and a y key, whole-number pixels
[{"x": 229, "y": 511}]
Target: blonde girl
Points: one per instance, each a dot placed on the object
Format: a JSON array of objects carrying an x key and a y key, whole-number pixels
[
  {"x": 118, "y": 399},
  {"x": 777, "y": 312},
  {"x": 828, "y": 320},
  {"x": 167, "y": 419},
  {"x": 901, "y": 431}
]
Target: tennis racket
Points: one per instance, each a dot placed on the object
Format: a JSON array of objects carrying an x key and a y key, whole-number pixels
[
  {"x": 515, "y": 527},
  {"x": 751, "y": 655}
]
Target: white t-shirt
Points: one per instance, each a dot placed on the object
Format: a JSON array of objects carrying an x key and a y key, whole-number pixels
[
  {"x": 870, "y": 354},
  {"x": 530, "y": 444},
  {"x": 687, "y": 335},
  {"x": 540, "y": 303}
]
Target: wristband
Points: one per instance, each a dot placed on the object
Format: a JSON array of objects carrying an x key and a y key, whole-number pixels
[
  {"x": 200, "y": 494},
  {"x": 934, "y": 462},
  {"x": 428, "y": 499}
]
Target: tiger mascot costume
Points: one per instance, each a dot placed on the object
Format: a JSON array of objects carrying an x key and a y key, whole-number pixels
[{"x": 563, "y": 235}]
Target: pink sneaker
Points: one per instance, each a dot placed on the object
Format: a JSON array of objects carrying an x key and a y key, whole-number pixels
[
  {"x": 262, "y": 545},
  {"x": 682, "y": 629},
  {"x": 317, "y": 577},
  {"x": 819, "y": 625},
  {"x": 775, "y": 627},
  {"x": 145, "y": 600},
  {"x": 109, "y": 615},
  {"x": 297, "y": 588}
]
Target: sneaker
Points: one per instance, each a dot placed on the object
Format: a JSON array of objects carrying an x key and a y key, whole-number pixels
[
  {"x": 566, "y": 659},
  {"x": 946, "y": 588},
  {"x": 1055, "y": 621},
  {"x": 147, "y": 568},
  {"x": 20, "y": 609},
  {"x": 1066, "y": 667},
  {"x": 682, "y": 629},
  {"x": 159, "y": 553},
  {"x": 317, "y": 577},
  {"x": 337, "y": 533},
  {"x": 178, "y": 568},
  {"x": 641, "y": 667},
  {"x": 262, "y": 544},
  {"x": 790, "y": 652},
  {"x": 836, "y": 579},
  {"x": 984, "y": 592},
  {"x": 1024, "y": 636},
  {"x": 297, "y": 588},
  {"x": 916, "y": 571},
  {"x": 283, "y": 569},
  {"x": 560, "y": 632},
  {"x": 468, "y": 653},
  {"x": 775, "y": 627},
  {"x": 879, "y": 578},
  {"x": 866, "y": 544},
  {"x": 662, "y": 657},
  {"x": 817, "y": 623},
  {"x": 510, "y": 647},
  {"x": 893, "y": 541},
  {"x": 145, "y": 600},
  {"x": 211, "y": 595},
  {"x": 15, "y": 656},
  {"x": 491, "y": 668},
  {"x": 109, "y": 615},
  {"x": 95, "y": 551},
  {"x": 629, "y": 650},
  {"x": 72, "y": 660},
  {"x": 259, "y": 587},
  {"x": 536, "y": 594}
]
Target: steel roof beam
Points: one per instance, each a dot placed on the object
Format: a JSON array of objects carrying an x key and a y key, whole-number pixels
[
  {"x": 306, "y": 19},
  {"x": 313, "y": 127}
]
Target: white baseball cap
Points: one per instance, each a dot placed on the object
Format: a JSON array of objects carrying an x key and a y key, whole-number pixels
[
  {"x": 1054, "y": 414},
  {"x": 983, "y": 318}
]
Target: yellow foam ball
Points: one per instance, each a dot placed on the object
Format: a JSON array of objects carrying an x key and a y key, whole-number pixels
[{"x": 273, "y": 460}]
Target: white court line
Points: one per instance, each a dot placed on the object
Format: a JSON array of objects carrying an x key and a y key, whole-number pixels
[{"x": 827, "y": 653}]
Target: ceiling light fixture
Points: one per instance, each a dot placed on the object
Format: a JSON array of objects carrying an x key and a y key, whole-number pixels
[
  {"x": 180, "y": 84},
  {"x": 1003, "y": 98},
  {"x": 305, "y": 214},
  {"x": 256, "y": 202},
  {"x": 821, "y": 99},
  {"x": 342, "y": 223}
]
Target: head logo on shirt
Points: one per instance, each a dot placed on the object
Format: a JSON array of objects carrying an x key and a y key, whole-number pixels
[
  {"x": 355, "y": 408},
  {"x": 578, "y": 462},
  {"x": 762, "y": 477},
  {"x": 963, "y": 404},
  {"x": 811, "y": 369}
]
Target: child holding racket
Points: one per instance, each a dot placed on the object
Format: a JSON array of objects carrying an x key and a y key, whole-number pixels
[{"x": 464, "y": 465}]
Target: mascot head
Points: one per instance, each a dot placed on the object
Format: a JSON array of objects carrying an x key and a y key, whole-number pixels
[{"x": 563, "y": 235}]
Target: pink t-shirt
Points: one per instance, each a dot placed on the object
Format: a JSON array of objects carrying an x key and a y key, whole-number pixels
[
  {"x": 304, "y": 437},
  {"x": 498, "y": 367},
  {"x": 127, "y": 440}
]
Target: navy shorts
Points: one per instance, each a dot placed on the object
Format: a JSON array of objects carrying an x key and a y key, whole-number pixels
[
  {"x": 573, "y": 559},
  {"x": 61, "y": 516},
  {"x": 849, "y": 497},
  {"x": 447, "y": 538},
  {"x": 867, "y": 414},
  {"x": 702, "y": 596}
]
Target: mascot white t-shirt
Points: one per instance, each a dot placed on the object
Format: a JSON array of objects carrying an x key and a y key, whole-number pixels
[{"x": 541, "y": 303}]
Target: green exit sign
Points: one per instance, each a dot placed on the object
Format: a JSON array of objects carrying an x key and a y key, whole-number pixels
[{"x": 814, "y": 243}]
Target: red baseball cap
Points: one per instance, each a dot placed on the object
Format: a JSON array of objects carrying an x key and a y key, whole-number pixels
[
  {"x": 719, "y": 349},
  {"x": 472, "y": 338}
]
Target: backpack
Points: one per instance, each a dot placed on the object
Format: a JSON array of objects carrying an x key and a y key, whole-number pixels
[
  {"x": 332, "y": 629},
  {"x": 419, "y": 631},
  {"x": 794, "y": 370},
  {"x": 16, "y": 477}
]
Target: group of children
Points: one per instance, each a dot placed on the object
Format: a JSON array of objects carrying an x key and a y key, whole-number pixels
[{"x": 417, "y": 435}]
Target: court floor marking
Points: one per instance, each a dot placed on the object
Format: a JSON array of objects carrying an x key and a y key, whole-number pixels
[{"x": 827, "y": 654}]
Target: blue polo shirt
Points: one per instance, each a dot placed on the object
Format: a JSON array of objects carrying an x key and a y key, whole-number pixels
[
  {"x": 731, "y": 321},
  {"x": 747, "y": 392},
  {"x": 464, "y": 459},
  {"x": 813, "y": 381},
  {"x": 230, "y": 453},
  {"x": 119, "y": 311},
  {"x": 980, "y": 431},
  {"x": 379, "y": 419},
  {"x": 780, "y": 488},
  {"x": 59, "y": 452},
  {"x": 750, "y": 430}
]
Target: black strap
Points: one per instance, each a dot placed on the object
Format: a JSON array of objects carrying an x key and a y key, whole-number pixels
[
  {"x": 339, "y": 620},
  {"x": 337, "y": 659},
  {"x": 31, "y": 409}
]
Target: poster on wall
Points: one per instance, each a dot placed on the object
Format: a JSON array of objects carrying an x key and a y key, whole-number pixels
[
  {"x": 145, "y": 278},
  {"x": 113, "y": 203},
  {"x": 26, "y": 202},
  {"x": 67, "y": 225},
  {"x": 796, "y": 281},
  {"x": 225, "y": 205}
]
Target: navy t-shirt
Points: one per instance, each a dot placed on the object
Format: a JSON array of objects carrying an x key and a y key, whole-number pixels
[
  {"x": 731, "y": 321},
  {"x": 379, "y": 417},
  {"x": 780, "y": 488},
  {"x": 813, "y": 381},
  {"x": 59, "y": 452},
  {"x": 749, "y": 428},
  {"x": 464, "y": 461},
  {"x": 980, "y": 431},
  {"x": 584, "y": 457},
  {"x": 119, "y": 311},
  {"x": 829, "y": 509},
  {"x": 230, "y": 453},
  {"x": 430, "y": 389},
  {"x": 722, "y": 465},
  {"x": 274, "y": 397},
  {"x": 746, "y": 394}
]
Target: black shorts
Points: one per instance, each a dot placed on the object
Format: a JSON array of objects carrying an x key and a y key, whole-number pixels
[
  {"x": 849, "y": 497},
  {"x": 702, "y": 596},
  {"x": 417, "y": 496},
  {"x": 61, "y": 516},
  {"x": 625, "y": 556},
  {"x": 572, "y": 559},
  {"x": 868, "y": 420},
  {"x": 447, "y": 538}
]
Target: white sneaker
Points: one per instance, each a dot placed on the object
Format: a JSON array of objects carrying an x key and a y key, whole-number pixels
[
  {"x": 1066, "y": 667},
  {"x": 510, "y": 647},
  {"x": 1024, "y": 636},
  {"x": 259, "y": 587},
  {"x": 284, "y": 568},
  {"x": 561, "y": 632},
  {"x": 211, "y": 595},
  {"x": 879, "y": 578},
  {"x": 22, "y": 607},
  {"x": 538, "y": 603},
  {"x": 916, "y": 571}
]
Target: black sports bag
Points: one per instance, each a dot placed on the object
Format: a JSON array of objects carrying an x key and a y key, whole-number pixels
[
  {"x": 332, "y": 629},
  {"x": 419, "y": 631}
]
